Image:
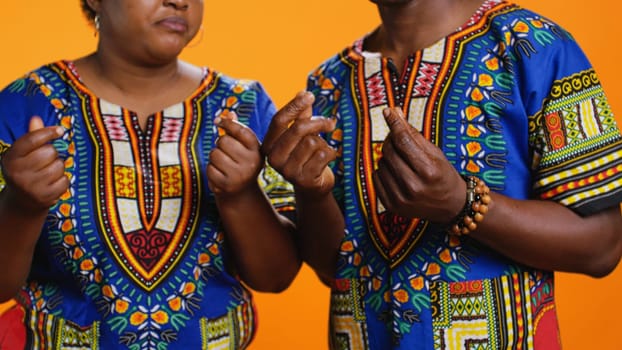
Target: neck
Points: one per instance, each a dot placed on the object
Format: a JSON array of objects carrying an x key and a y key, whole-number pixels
[
  {"x": 134, "y": 78},
  {"x": 409, "y": 27}
]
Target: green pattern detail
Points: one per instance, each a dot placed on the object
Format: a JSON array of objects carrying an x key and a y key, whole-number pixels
[
  {"x": 580, "y": 147},
  {"x": 574, "y": 99}
]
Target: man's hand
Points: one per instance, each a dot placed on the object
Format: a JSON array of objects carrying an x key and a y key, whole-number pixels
[{"x": 414, "y": 178}]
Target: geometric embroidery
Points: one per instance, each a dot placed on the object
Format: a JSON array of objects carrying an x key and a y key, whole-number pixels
[
  {"x": 462, "y": 318},
  {"x": 147, "y": 223},
  {"x": 347, "y": 321},
  {"x": 393, "y": 236},
  {"x": 348, "y": 334},
  {"x": 50, "y": 332},
  {"x": 170, "y": 179},
  {"x": 229, "y": 332},
  {"x": 482, "y": 314},
  {"x": 125, "y": 181},
  {"x": 426, "y": 79},
  {"x": 375, "y": 90},
  {"x": 575, "y": 125}
]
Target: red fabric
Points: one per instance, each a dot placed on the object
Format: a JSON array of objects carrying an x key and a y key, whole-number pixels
[
  {"x": 546, "y": 335},
  {"x": 12, "y": 330}
]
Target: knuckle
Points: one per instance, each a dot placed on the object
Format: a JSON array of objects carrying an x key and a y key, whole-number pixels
[
  {"x": 309, "y": 141},
  {"x": 430, "y": 173},
  {"x": 245, "y": 134},
  {"x": 412, "y": 190},
  {"x": 298, "y": 127},
  {"x": 402, "y": 139},
  {"x": 293, "y": 107}
]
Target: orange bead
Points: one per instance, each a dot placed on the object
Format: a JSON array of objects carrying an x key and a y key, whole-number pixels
[
  {"x": 467, "y": 220},
  {"x": 486, "y": 199},
  {"x": 455, "y": 230}
]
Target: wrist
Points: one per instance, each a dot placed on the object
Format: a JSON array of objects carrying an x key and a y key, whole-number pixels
[
  {"x": 475, "y": 207},
  {"x": 303, "y": 194},
  {"x": 12, "y": 202}
]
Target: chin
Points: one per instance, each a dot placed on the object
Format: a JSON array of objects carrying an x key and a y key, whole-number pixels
[{"x": 168, "y": 50}]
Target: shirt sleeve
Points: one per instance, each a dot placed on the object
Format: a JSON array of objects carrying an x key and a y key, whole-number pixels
[
  {"x": 19, "y": 102},
  {"x": 327, "y": 85},
  {"x": 577, "y": 146},
  {"x": 280, "y": 192}
]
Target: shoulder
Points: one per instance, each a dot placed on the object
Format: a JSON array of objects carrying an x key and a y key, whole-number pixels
[
  {"x": 44, "y": 81},
  {"x": 332, "y": 74},
  {"x": 516, "y": 25},
  {"x": 39, "y": 92},
  {"x": 529, "y": 42},
  {"x": 246, "y": 97},
  {"x": 335, "y": 64},
  {"x": 238, "y": 86}
]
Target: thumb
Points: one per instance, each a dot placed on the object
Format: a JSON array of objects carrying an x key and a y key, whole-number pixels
[
  {"x": 35, "y": 124},
  {"x": 395, "y": 119}
]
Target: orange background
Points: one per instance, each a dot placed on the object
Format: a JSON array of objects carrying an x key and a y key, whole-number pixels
[{"x": 278, "y": 42}]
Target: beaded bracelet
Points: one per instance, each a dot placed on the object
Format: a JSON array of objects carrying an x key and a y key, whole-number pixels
[{"x": 475, "y": 207}]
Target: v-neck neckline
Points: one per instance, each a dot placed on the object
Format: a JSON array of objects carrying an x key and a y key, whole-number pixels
[
  {"x": 84, "y": 89},
  {"x": 359, "y": 52}
]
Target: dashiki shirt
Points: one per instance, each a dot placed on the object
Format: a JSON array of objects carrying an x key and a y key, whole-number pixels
[
  {"x": 510, "y": 98},
  {"x": 133, "y": 255}
]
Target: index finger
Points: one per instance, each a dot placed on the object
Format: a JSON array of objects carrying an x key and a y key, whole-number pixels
[{"x": 298, "y": 108}]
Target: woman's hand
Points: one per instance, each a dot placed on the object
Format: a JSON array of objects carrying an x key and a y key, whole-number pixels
[
  {"x": 35, "y": 180},
  {"x": 295, "y": 149},
  {"x": 34, "y": 173},
  {"x": 235, "y": 162},
  {"x": 414, "y": 178}
]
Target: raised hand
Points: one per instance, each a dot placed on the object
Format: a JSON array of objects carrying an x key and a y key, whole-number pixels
[
  {"x": 34, "y": 173},
  {"x": 295, "y": 149},
  {"x": 236, "y": 161},
  {"x": 414, "y": 178}
]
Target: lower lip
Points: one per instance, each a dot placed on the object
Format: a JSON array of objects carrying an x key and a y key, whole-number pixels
[{"x": 174, "y": 26}]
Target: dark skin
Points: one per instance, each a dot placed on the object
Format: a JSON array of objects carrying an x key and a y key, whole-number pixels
[
  {"x": 29, "y": 192},
  {"x": 265, "y": 259},
  {"x": 302, "y": 157},
  {"x": 414, "y": 178},
  {"x": 411, "y": 25},
  {"x": 137, "y": 54}
]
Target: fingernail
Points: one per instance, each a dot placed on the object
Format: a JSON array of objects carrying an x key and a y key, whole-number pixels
[
  {"x": 308, "y": 97},
  {"x": 217, "y": 120},
  {"x": 60, "y": 130},
  {"x": 386, "y": 112}
]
